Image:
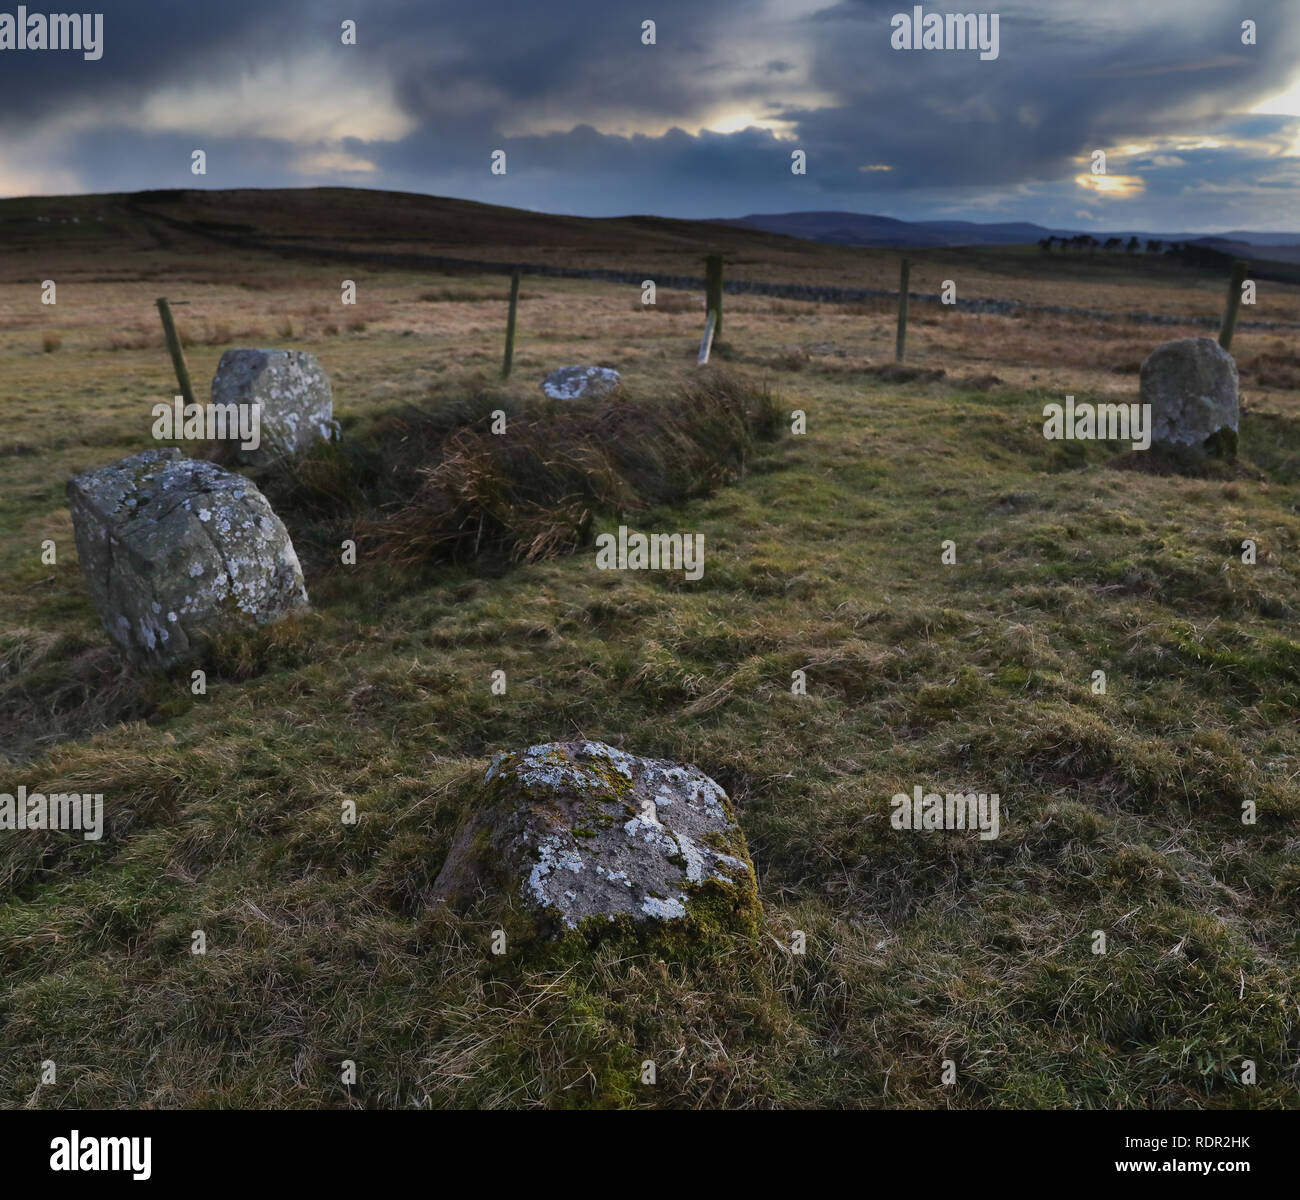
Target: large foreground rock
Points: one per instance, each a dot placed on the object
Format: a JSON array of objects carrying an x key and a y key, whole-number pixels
[
  {"x": 581, "y": 383},
  {"x": 295, "y": 397},
  {"x": 583, "y": 833},
  {"x": 172, "y": 548},
  {"x": 1191, "y": 385}
]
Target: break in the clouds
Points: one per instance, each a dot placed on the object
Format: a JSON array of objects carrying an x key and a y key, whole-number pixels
[{"x": 1200, "y": 130}]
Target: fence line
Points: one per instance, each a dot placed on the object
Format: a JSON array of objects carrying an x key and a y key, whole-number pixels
[
  {"x": 509, "y": 358},
  {"x": 714, "y": 288},
  {"x": 789, "y": 291},
  {"x": 900, "y": 337},
  {"x": 175, "y": 348},
  {"x": 1235, "y": 280}
]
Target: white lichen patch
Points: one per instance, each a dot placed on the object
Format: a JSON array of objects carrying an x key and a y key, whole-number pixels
[
  {"x": 663, "y": 910},
  {"x": 694, "y": 858}
]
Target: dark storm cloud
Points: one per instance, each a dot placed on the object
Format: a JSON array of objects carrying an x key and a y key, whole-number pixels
[
  {"x": 586, "y": 112},
  {"x": 1060, "y": 87},
  {"x": 147, "y": 43}
]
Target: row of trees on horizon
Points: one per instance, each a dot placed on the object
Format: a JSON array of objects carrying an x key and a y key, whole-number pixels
[{"x": 1085, "y": 241}]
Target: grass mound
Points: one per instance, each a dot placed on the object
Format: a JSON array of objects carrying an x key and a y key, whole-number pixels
[{"x": 535, "y": 489}]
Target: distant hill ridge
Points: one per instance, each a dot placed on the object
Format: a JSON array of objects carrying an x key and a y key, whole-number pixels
[
  {"x": 401, "y": 225},
  {"x": 867, "y": 229}
]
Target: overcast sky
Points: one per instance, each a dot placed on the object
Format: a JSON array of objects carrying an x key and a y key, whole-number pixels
[{"x": 1201, "y": 132}]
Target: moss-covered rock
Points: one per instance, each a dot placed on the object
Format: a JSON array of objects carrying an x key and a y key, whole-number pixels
[{"x": 586, "y": 838}]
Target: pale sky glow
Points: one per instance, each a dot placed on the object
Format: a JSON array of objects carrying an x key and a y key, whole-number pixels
[
  {"x": 1286, "y": 104},
  {"x": 293, "y": 100}
]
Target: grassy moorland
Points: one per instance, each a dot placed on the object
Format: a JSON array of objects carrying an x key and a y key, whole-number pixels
[{"x": 1121, "y": 811}]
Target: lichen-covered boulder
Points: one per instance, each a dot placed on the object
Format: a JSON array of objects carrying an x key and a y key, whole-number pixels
[
  {"x": 172, "y": 548},
  {"x": 293, "y": 392},
  {"x": 586, "y": 836},
  {"x": 1191, "y": 385},
  {"x": 581, "y": 383}
]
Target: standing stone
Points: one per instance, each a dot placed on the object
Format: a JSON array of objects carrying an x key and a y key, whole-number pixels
[
  {"x": 297, "y": 405},
  {"x": 1191, "y": 385},
  {"x": 581, "y": 383},
  {"x": 582, "y": 832},
  {"x": 172, "y": 548}
]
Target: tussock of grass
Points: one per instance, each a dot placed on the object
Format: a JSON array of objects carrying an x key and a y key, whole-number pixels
[
  {"x": 324, "y": 494},
  {"x": 535, "y": 490},
  {"x": 57, "y": 687}
]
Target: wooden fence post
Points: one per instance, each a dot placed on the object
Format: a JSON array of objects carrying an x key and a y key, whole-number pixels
[
  {"x": 174, "y": 346},
  {"x": 1235, "y": 281},
  {"x": 510, "y": 324},
  {"x": 706, "y": 344},
  {"x": 900, "y": 341},
  {"x": 713, "y": 297}
]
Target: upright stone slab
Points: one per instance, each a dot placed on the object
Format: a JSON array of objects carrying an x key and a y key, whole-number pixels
[
  {"x": 1191, "y": 385},
  {"x": 583, "y": 833},
  {"x": 297, "y": 405},
  {"x": 172, "y": 548},
  {"x": 581, "y": 383}
]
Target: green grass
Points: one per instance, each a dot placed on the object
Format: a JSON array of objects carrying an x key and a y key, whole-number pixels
[{"x": 1121, "y": 812}]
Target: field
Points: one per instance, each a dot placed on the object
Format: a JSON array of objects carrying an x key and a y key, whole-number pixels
[{"x": 1122, "y": 810}]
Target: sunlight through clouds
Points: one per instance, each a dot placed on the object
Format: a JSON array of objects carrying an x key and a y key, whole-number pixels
[
  {"x": 1122, "y": 186},
  {"x": 302, "y": 99}
]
